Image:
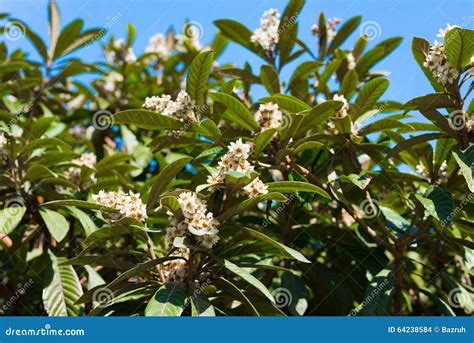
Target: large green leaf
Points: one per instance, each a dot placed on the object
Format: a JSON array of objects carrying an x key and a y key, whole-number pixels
[
  {"x": 146, "y": 120},
  {"x": 262, "y": 139},
  {"x": 438, "y": 203},
  {"x": 10, "y": 218},
  {"x": 375, "y": 55},
  {"x": 429, "y": 102},
  {"x": 61, "y": 289},
  {"x": 269, "y": 77},
  {"x": 465, "y": 160},
  {"x": 56, "y": 223},
  {"x": 288, "y": 103},
  {"x": 236, "y": 111},
  {"x": 459, "y": 47},
  {"x": 343, "y": 33},
  {"x": 196, "y": 80},
  {"x": 369, "y": 95},
  {"x": 245, "y": 275},
  {"x": 169, "y": 300},
  {"x": 295, "y": 186},
  {"x": 164, "y": 178},
  {"x": 54, "y": 27},
  {"x": 86, "y": 221},
  {"x": 284, "y": 250}
]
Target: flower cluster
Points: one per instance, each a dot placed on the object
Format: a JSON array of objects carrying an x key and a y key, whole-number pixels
[
  {"x": 330, "y": 28},
  {"x": 438, "y": 64},
  {"x": 158, "y": 44},
  {"x": 122, "y": 53},
  {"x": 111, "y": 81},
  {"x": 235, "y": 160},
  {"x": 255, "y": 188},
  {"x": 351, "y": 62},
  {"x": 181, "y": 109},
  {"x": 86, "y": 159},
  {"x": 195, "y": 219},
  {"x": 129, "y": 205},
  {"x": 442, "y": 172},
  {"x": 269, "y": 116},
  {"x": 267, "y": 34},
  {"x": 175, "y": 270},
  {"x": 443, "y": 32}
]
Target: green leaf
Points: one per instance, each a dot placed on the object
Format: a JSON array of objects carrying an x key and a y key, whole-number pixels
[
  {"x": 77, "y": 203},
  {"x": 269, "y": 77},
  {"x": 465, "y": 161},
  {"x": 146, "y": 120},
  {"x": 56, "y": 223},
  {"x": 288, "y": 103},
  {"x": 249, "y": 203},
  {"x": 349, "y": 84},
  {"x": 375, "y": 55},
  {"x": 429, "y": 102},
  {"x": 239, "y": 295},
  {"x": 169, "y": 300},
  {"x": 200, "y": 304},
  {"x": 54, "y": 27},
  {"x": 61, "y": 289},
  {"x": 198, "y": 75},
  {"x": 86, "y": 37},
  {"x": 10, "y": 218},
  {"x": 438, "y": 203},
  {"x": 164, "y": 178},
  {"x": 67, "y": 36},
  {"x": 294, "y": 186},
  {"x": 86, "y": 221},
  {"x": 459, "y": 47},
  {"x": 442, "y": 306},
  {"x": 298, "y": 294},
  {"x": 343, "y": 33},
  {"x": 36, "y": 40},
  {"x": 236, "y": 111},
  {"x": 284, "y": 250},
  {"x": 262, "y": 139},
  {"x": 242, "y": 273},
  {"x": 131, "y": 33},
  {"x": 239, "y": 34},
  {"x": 369, "y": 95}
]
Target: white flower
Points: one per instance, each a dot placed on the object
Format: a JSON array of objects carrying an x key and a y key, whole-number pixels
[
  {"x": 181, "y": 109},
  {"x": 175, "y": 270},
  {"x": 238, "y": 149},
  {"x": 420, "y": 168},
  {"x": 110, "y": 82},
  {"x": 159, "y": 45},
  {"x": 256, "y": 187},
  {"x": 122, "y": 53},
  {"x": 208, "y": 241},
  {"x": 439, "y": 66},
  {"x": 87, "y": 159},
  {"x": 355, "y": 127},
  {"x": 351, "y": 62},
  {"x": 330, "y": 28},
  {"x": 129, "y": 205},
  {"x": 443, "y": 32},
  {"x": 267, "y": 34},
  {"x": 269, "y": 116},
  {"x": 345, "y": 107}
]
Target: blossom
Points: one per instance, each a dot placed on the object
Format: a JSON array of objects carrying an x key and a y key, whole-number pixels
[
  {"x": 267, "y": 34},
  {"x": 74, "y": 173},
  {"x": 256, "y": 187},
  {"x": 269, "y": 116},
  {"x": 330, "y": 28},
  {"x": 420, "y": 168},
  {"x": 88, "y": 159},
  {"x": 443, "y": 32},
  {"x": 128, "y": 204},
  {"x": 234, "y": 160},
  {"x": 175, "y": 270},
  {"x": 438, "y": 64},
  {"x": 196, "y": 221},
  {"x": 158, "y": 44},
  {"x": 351, "y": 62},
  {"x": 122, "y": 53},
  {"x": 180, "y": 109},
  {"x": 110, "y": 83},
  {"x": 343, "y": 111},
  {"x": 355, "y": 128},
  {"x": 470, "y": 125}
]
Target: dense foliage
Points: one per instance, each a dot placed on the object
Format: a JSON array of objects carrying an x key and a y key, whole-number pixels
[{"x": 164, "y": 187}]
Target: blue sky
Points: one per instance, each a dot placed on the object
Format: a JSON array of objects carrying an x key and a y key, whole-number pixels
[{"x": 394, "y": 17}]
